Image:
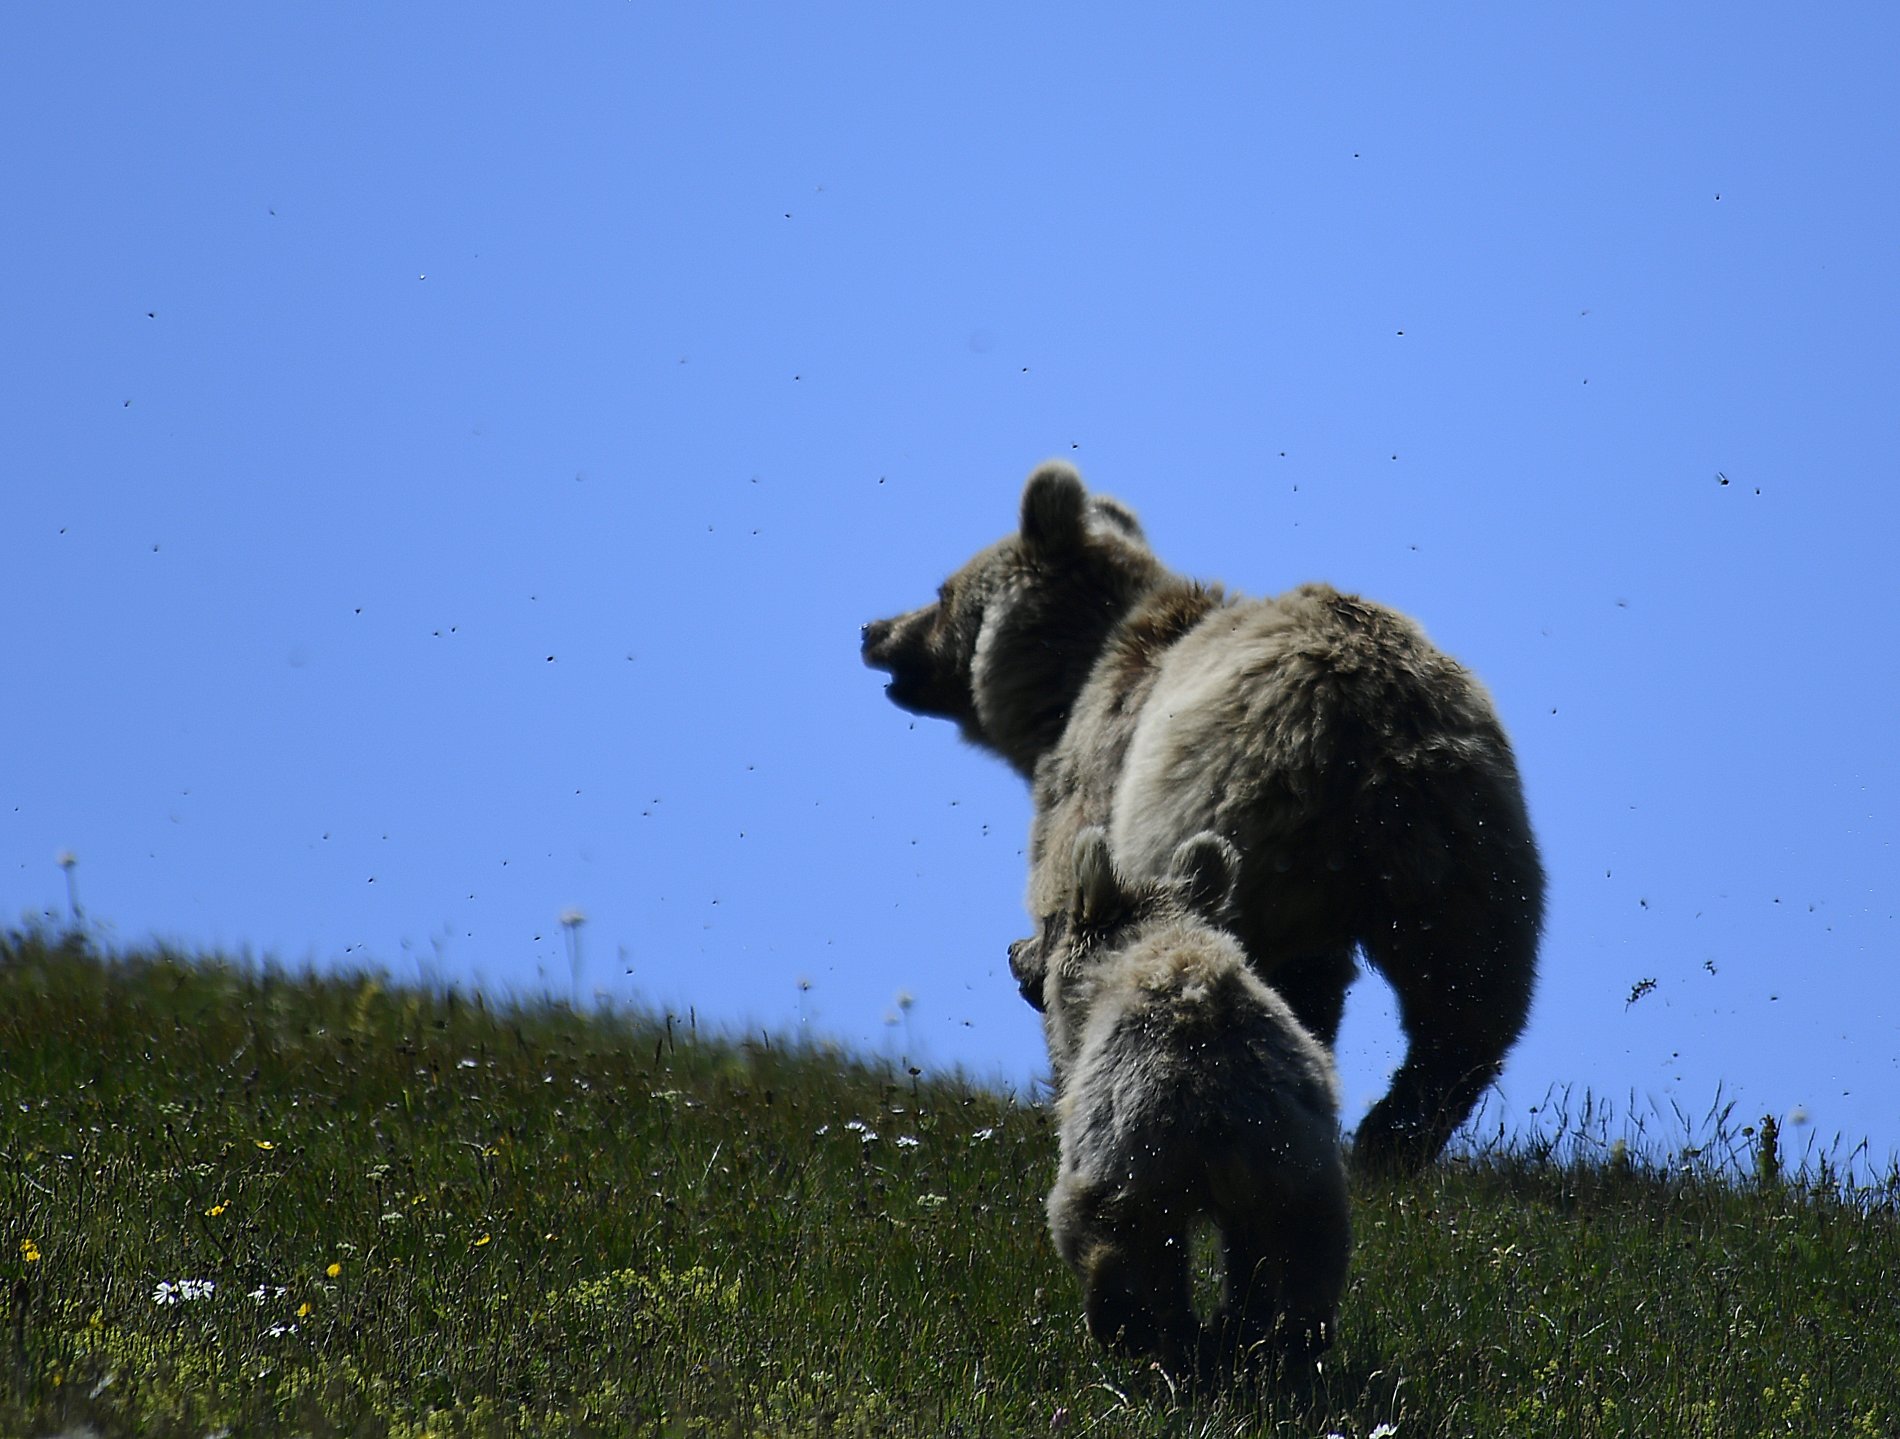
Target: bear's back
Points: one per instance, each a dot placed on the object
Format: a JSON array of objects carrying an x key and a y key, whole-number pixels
[{"x": 1282, "y": 725}]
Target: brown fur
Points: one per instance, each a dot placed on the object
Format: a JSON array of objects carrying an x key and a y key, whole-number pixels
[
  {"x": 1361, "y": 773},
  {"x": 1188, "y": 1090}
]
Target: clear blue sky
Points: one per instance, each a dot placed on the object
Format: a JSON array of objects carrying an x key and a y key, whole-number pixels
[{"x": 450, "y": 450}]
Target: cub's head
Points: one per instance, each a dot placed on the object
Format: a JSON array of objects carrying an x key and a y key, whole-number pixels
[
  {"x": 1007, "y": 644},
  {"x": 1106, "y": 916},
  {"x": 1104, "y": 911}
]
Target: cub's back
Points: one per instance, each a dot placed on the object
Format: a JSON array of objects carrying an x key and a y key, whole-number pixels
[{"x": 1186, "y": 1051}]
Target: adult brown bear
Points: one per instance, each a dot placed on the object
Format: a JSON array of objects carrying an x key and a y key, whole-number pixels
[{"x": 1361, "y": 774}]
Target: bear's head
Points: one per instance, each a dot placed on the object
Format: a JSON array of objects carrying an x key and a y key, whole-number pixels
[{"x": 1007, "y": 644}]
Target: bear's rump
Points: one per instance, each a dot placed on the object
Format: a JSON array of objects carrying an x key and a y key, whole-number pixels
[
  {"x": 1326, "y": 739},
  {"x": 1232, "y": 737}
]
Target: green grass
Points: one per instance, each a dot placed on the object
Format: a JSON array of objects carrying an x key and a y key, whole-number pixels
[{"x": 421, "y": 1215}]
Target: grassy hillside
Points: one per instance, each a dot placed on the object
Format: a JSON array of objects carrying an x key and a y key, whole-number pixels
[{"x": 262, "y": 1204}]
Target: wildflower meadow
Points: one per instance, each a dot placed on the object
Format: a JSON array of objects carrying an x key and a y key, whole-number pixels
[{"x": 242, "y": 1201}]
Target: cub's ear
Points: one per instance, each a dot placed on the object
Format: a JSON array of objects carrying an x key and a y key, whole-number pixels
[
  {"x": 1055, "y": 508},
  {"x": 1098, "y": 896},
  {"x": 1206, "y": 868}
]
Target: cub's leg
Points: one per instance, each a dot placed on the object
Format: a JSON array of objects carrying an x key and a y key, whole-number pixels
[{"x": 1133, "y": 1265}]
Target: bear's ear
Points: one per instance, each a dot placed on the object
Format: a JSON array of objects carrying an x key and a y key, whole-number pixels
[
  {"x": 1206, "y": 868},
  {"x": 1097, "y": 895},
  {"x": 1055, "y": 508},
  {"x": 1113, "y": 515}
]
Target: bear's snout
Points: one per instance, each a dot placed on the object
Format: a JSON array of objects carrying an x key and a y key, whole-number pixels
[
  {"x": 874, "y": 642},
  {"x": 923, "y": 680}
]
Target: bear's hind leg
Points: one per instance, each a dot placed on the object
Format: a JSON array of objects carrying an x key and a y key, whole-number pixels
[
  {"x": 1314, "y": 1241},
  {"x": 1250, "y": 1294},
  {"x": 1132, "y": 1261},
  {"x": 1286, "y": 1272},
  {"x": 1137, "y": 1299},
  {"x": 1314, "y": 987},
  {"x": 1463, "y": 984}
]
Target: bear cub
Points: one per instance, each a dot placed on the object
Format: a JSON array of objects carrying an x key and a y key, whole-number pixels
[{"x": 1188, "y": 1091}]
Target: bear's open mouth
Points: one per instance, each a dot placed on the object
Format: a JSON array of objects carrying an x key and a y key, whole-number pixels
[
  {"x": 910, "y": 686},
  {"x": 918, "y": 691},
  {"x": 906, "y": 695}
]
